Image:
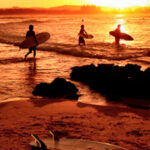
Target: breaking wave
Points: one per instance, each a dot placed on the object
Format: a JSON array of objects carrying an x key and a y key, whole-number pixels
[{"x": 93, "y": 50}]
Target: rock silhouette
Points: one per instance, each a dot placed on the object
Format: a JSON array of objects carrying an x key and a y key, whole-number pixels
[
  {"x": 57, "y": 89},
  {"x": 115, "y": 82}
]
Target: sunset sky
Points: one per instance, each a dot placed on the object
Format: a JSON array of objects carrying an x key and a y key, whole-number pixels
[{"x": 52, "y": 3}]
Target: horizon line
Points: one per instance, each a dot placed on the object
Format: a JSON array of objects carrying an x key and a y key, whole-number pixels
[{"x": 15, "y": 7}]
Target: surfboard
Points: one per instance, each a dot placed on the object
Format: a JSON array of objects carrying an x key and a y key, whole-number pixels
[
  {"x": 30, "y": 42},
  {"x": 86, "y": 36},
  {"x": 72, "y": 144},
  {"x": 122, "y": 35}
]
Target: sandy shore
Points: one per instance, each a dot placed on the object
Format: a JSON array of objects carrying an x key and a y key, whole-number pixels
[{"x": 126, "y": 127}]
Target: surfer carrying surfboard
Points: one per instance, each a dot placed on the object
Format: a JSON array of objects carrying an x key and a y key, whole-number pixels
[
  {"x": 82, "y": 33},
  {"x": 31, "y": 33},
  {"x": 117, "y": 34},
  {"x": 117, "y": 37}
]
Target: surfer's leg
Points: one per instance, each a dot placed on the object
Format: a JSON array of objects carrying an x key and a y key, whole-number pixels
[
  {"x": 30, "y": 51},
  {"x": 34, "y": 51},
  {"x": 117, "y": 40},
  {"x": 83, "y": 42},
  {"x": 79, "y": 41}
]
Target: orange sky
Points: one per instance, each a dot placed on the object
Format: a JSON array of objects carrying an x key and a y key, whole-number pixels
[
  {"x": 38, "y": 3},
  {"x": 51, "y": 3}
]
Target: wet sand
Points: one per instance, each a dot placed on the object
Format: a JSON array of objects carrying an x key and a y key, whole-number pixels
[{"x": 123, "y": 126}]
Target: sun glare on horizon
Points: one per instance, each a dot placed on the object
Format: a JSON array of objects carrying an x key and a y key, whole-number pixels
[{"x": 119, "y": 3}]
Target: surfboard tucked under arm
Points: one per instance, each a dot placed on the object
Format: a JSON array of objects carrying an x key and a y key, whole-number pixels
[
  {"x": 30, "y": 41},
  {"x": 123, "y": 36},
  {"x": 86, "y": 36}
]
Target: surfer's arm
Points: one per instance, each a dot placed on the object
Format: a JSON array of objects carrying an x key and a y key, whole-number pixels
[{"x": 85, "y": 32}]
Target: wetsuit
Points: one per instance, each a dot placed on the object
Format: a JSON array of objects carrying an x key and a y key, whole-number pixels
[
  {"x": 29, "y": 34},
  {"x": 81, "y": 38},
  {"x": 117, "y": 38}
]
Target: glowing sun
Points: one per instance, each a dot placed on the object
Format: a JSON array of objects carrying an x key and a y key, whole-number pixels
[{"x": 119, "y": 3}]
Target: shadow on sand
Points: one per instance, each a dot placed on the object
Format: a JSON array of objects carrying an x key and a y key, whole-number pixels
[{"x": 113, "y": 111}]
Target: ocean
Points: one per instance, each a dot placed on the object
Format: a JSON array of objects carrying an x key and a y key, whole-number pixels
[{"x": 61, "y": 52}]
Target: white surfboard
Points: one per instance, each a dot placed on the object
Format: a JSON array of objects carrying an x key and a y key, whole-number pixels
[
  {"x": 30, "y": 42},
  {"x": 75, "y": 144}
]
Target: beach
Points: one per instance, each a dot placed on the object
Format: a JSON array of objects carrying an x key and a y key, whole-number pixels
[
  {"x": 92, "y": 117},
  {"x": 123, "y": 126}
]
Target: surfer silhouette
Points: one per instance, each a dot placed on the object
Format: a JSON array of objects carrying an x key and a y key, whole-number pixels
[
  {"x": 29, "y": 34},
  {"x": 82, "y": 33},
  {"x": 117, "y": 37}
]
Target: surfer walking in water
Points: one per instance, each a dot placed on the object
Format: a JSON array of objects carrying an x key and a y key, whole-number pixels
[
  {"x": 117, "y": 38},
  {"x": 82, "y": 33},
  {"x": 29, "y": 34}
]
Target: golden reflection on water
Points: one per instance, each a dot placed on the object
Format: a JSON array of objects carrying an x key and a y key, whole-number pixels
[{"x": 121, "y": 20}]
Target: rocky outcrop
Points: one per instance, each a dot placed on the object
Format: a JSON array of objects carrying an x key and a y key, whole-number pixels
[
  {"x": 114, "y": 81},
  {"x": 59, "y": 88}
]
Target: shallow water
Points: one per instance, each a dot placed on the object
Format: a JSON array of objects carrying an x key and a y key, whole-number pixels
[{"x": 56, "y": 57}]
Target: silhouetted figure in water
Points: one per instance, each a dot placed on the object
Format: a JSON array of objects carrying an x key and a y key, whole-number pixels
[
  {"x": 117, "y": 38},
  {"x": 29, "y": 34},
  {"x": 81, "y": 35}
]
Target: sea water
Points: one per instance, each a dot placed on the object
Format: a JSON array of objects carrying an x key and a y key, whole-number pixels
[{"x": 61, "y": 52}]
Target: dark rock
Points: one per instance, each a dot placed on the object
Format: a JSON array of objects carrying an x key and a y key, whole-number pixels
[
  {"x": 42, "y": 89},
  {"x": 132, "y": 70},
  {"x": 84, "y": 73},
  {"x": 58, "y": 88},
  {"x": 113, "y": 81}
]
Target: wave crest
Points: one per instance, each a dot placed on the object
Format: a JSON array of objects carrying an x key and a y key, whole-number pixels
[{"x": 93, "y": 50}]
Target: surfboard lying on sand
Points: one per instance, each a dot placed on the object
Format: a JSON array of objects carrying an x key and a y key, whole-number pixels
[
  {"x": 30, "y": 42},
  {"x": 123, "y": 36},
  {"x": 86, "y": 36},
  {"x": 71, "y": 144}
]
